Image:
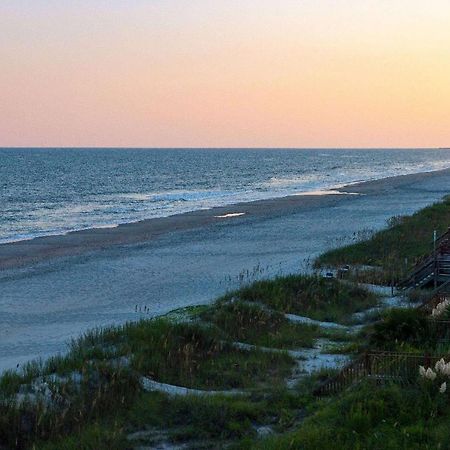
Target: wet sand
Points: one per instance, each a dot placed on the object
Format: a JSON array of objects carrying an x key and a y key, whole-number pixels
[{"x": 54, "y": 288}]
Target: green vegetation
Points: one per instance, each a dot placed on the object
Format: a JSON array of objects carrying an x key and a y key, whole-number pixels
[
  {"x": 207, "y": 422},
  {"x": 371, "y": 417},
  {"x": 199, "y": 357},
  {"x": 393, "y": 415},
  {"x": 94, "y": 386},
  {"x": 401, "y": 328},
  {"x": 393, "y": 250},
  {"x": 74, "y": 405},
  {"x": 92, "y": 437},
  {"x": 218, "y": 417},
  {"x": 250, "y": 323},
  {"x": 311, "y": 296},
  {"x": 92, "y": 398}
]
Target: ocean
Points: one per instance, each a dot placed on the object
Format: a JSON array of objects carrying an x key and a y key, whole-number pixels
[{"x": 54, "y": 191}]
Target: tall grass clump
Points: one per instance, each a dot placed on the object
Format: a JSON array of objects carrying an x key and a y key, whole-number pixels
[
  {"x": 198, "y": 356},
  {"x": 311, "y": 296},
  {"x": 218, "y": 417},
  {"x": 68, "y": 408},
  {"x": 250, "y": 323}
]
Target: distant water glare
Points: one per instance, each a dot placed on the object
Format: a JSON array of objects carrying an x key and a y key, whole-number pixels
[{"x": 54, "y": 191}]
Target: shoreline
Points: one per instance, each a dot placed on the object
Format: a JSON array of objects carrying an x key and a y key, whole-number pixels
[{"x": 22, "y": 253}]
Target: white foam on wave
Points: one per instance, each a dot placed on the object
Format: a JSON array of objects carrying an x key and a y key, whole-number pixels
[
  {"x": 113, "y": 225},
  {"x": 283, "y": 182}
]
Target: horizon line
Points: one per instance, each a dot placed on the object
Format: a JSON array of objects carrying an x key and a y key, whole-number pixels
[{"x": 211, "y": 148}]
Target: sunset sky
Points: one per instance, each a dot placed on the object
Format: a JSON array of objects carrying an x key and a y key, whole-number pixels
[{"x": 225, "y": 73}]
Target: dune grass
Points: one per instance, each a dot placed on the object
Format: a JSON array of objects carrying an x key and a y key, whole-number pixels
[
  {"x": 206, "y": 422},
  {"x": 368, "y": 416},
  {"x": 312, "y": 296},
  {"x": 98, "y": 401},
  {"x": 250, "y": 323},
  {"x": 218, "y": 417},
  {"x": 197, "y": 356},
  {"x": 102, "y": 389},
  {"x": 184, "y": 354},
  {"x": 391, "y": 417},
  {"x": 394, "y": 249},
  {"x": 96, "y": 436}
]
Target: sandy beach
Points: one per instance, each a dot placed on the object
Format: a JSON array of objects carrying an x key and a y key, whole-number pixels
[{"x": 54, "y": 288}]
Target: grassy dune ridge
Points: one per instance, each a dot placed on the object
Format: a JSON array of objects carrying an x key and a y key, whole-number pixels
[
  {"x": 93, "y": 394},
  {"x": 395, "y": 249}
]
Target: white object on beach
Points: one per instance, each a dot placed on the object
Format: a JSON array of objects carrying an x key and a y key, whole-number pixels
[{"x": 225, "y": 216}]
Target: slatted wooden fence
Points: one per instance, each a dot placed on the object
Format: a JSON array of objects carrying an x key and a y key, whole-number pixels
[{"x": 379, "y": 366}]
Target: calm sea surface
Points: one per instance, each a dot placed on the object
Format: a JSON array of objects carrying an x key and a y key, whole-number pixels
[{"x": 53, "y": 191}]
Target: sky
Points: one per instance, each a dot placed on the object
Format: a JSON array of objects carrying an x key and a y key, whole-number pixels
[{"x": 225, "y": 73}]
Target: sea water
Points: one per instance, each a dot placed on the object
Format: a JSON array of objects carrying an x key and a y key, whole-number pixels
[{"x": 54, "y": 191}]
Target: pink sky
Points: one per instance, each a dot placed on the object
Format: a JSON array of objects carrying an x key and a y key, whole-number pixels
[{"x": 225, "y": 73}]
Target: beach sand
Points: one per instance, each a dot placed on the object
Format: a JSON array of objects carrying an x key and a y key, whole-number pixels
[{"x": 54, "y": 288}]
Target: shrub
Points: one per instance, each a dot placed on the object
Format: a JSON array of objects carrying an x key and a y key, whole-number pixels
[{"x": 401, "y": 326}]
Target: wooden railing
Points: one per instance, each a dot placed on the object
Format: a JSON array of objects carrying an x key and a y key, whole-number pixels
[
  {"x": 392, "y": 366},
  {"x": 435, "y": 296},
  {"x": 348, "y": 375},
  {"x": 378, "y": 366},
  {"x": 427, "y": 264}
]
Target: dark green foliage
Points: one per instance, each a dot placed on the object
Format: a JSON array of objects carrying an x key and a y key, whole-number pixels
[
  {"x": 197, "y": 356},
  {"x": 103, "y": 389},
  {"x": 253, "y": 324},
  {"x": 311, "y": 296},
  {"x": 183, "y": 354},
  {"x": 93, "y": 437},
  {"x": 402, "y": 326},
  {"x": 197, "y": 417},
  {"x": 217, "y": 417},
  {"x": 372, "y": 418}
]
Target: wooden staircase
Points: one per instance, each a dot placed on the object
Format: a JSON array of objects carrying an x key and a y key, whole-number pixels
[{"x": 433, "y": 270}]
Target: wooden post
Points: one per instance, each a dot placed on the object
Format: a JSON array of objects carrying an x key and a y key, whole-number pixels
[{"x": 435, "y": 259}]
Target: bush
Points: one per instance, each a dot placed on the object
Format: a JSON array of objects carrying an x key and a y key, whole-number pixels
[{"x": 401, "y": 326}]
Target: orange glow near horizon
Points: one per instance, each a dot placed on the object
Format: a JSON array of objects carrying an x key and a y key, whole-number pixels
[{"x": 225, "y": 73}]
